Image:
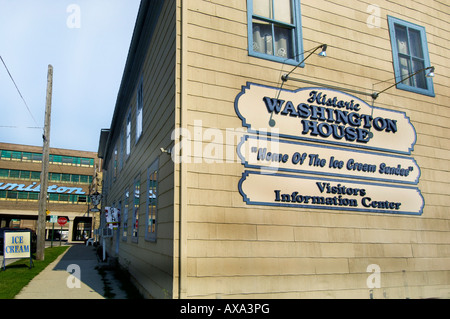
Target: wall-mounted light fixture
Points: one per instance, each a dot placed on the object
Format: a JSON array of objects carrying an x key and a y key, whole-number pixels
[
  {"x": 167, "y": 151},
  {"x": 322, "y": 54},
  {"x": 430, "y": 74}
]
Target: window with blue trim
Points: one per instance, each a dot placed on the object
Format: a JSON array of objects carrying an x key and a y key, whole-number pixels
[
  {"x": 274, "y": 30},
  {"x": 152, "y": 201},
  {"x": 139, "y": 107},
  {"x": 410, "y": 54}
]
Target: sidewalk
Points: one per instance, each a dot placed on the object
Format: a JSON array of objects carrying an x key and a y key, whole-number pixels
[{"x": 57, "y": 282}]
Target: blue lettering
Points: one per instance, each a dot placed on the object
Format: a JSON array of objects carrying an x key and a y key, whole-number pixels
[
  {"x": 273, "y": 104},
  {"x": 303, "y": 110},
  {"x": 289, "y": 109}
]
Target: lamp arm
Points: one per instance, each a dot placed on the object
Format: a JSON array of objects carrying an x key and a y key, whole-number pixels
[
  {"x": 376, "y": 94},
  {"x": 285, "y": 77}
]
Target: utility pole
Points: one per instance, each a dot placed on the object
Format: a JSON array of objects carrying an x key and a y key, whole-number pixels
[{"x": 40, "y": 255}]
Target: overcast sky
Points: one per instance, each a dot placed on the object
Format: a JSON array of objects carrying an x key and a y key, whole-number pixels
[{"x": 87, "y": 43}]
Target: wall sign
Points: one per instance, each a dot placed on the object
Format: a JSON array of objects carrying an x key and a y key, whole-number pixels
[
  {"x": 327, "y": 193},
  {"x": 296, "y": 157},
  {"x": 112, "y": 217},
  {"x": 325, "y": 116},
  {"x": 36, "y": 188},
  {"x": 319, "y": 148}
]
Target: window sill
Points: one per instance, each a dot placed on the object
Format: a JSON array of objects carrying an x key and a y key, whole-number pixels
[
  {"x": 273, "y": 58},
  {"x": 408, "y": 88}
]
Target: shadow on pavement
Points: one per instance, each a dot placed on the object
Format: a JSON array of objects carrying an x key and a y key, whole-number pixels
[{"x": 81, "y": 262}]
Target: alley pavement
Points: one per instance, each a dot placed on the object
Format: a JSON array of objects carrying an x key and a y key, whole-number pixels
[{"x": 74, "y": 275}]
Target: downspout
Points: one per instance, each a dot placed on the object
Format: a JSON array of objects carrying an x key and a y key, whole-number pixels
[{"x": 182, "y": 240}]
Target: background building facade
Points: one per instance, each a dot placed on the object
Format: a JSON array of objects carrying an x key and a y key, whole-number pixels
[
  {"x": 71, "y": 174},
  {"x": 203, "y": 78}
]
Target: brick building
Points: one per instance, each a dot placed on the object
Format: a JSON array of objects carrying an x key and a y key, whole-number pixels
[{"x": 71, "y": 174}]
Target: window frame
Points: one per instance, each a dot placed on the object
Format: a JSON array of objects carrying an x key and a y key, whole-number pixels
[
  {"x": 392, "y": 21},
  {"x": 128, "y": 130},
  {"x": 139, "y": 109},
  {"x": 151, "y": 236},
  {"x": 124, "y": 220},
  {"x": 136, "y": 208},
  {"x": 297, "y": 36}
]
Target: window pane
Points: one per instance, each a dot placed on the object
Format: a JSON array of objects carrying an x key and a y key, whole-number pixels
[
  {"x": 419, "y": 80},
  {"x": 25, "y": 174},
  {"x": 125, "y": 215},
  {"x": 57, "y": 159},
  {"x": 82, "y": 199},
  {"x": 262, "y": 8},
  {"x": 14, "y": 173},
  {"x": 55, "y": 177},
  {"x": 67, "y": 159},
  {"x": 139, "y": 106},
  {"x": 136, "y": 194},
  {"x": 262, "y": 37},
  {"x": 6, "y": 154},
  {"x": 26, "y": 156},
  {"x": 83, "y": 179},
  {"x": 128, "y": 141},
  {"x": 415, "y": 42},
  {"x": 12, "y": 195},
  {"x": 35, "y": 175},
  {"x": 283, "y": 40},
  {"x": 402, "y": 39},
  {"x": 23, "y": 195},
  {"x": 4, "y": 172},
  {"x": 17, "y": 155},
  {"x": 85, "y": 162},
  {"x": 404, "y": 70},
  {"x": 37, "y": 157},
  {"x": 33, "y": 196},
  {"x": 283, "y": 11},
  {"x": 152, "y": 201}
]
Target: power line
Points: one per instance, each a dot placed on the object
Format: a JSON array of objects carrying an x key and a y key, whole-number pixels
[
  {"x": 12, "y": 79},
  {"x": 22, "y": 127}
]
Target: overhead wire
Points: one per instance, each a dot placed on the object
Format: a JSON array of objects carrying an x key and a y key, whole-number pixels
[{"x": 20, "y": 94}]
